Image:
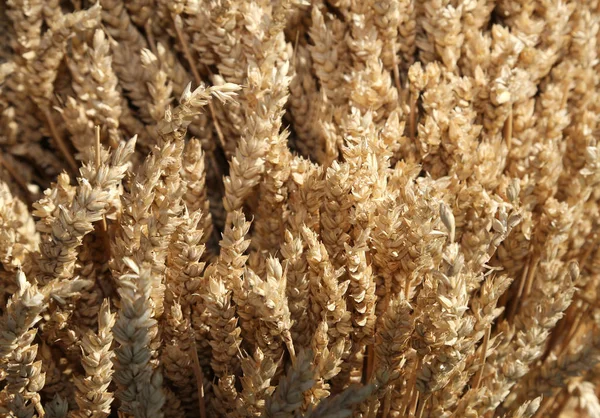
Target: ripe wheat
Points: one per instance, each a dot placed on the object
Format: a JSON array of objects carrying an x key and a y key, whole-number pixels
[{"x": 327, "y": 208}]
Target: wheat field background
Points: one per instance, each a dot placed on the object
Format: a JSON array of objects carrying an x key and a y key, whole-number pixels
[{"x": 293, "y": 208}]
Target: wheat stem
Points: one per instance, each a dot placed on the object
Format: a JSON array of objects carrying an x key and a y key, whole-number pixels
[{"x": 60, "y": 143}]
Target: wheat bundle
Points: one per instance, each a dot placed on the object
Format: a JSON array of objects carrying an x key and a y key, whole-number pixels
[{"x": 292, "y": 208}]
